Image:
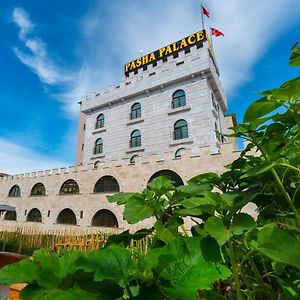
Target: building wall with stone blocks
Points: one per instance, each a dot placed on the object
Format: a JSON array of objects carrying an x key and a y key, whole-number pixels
[
  {"x": 131, "y": 178},
  {"x": 194, "y": 72}
]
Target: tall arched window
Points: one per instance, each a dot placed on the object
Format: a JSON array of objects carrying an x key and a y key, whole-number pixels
[
  {"x": 136, "y": 111},
  {"x": 181, "y": 130},
  {"x": 66, "y": 216},
  {"x": 10, "y": 216},
  {"x": 98, "y": 146},
  {"x": 100, "y": 121},
  {"x": 105, "y": 218},
  {"x": 107, "y": 184},
  {"x": 15, "y": 191},
  {"x": 69, "y": 187},
  {"x": 135, "y": 139},
  {"x": 34, "y": 216},
  {"x": 38, "y": 190},
  {"x": 178, "y": 99}
]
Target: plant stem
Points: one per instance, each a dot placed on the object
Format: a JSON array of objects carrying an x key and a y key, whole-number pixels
[
  {"x": 129, "y": 292},
  {"x": 235, "y": 272},
  {"x": 184, "y": 230},
  {"x": 286, "y": 196}
]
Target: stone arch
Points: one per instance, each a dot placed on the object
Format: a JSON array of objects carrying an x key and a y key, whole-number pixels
[
  {"x": 38, "y": 190},
  {"x": 105, "y": 218},
  {"x": 169, "y": 173},
  {"x": 10, "y": 216},
  {"x": 107, "y": 184},
  {"x": 66, "y": 216},
  {"x": 34, "y": 216}
]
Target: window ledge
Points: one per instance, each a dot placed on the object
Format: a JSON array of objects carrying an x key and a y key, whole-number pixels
[
  {"x": 134, "y": 121},
  {"x": 179, "y": 109},
  {"x": 98, "y": 130},
  {"x": 70, "y": 194},
  {"x": 37, "y": 195},
  {"x": 96, "y": 156},
  {"x": 188, "y": 140},
  {"x": 135, "y": 149}
]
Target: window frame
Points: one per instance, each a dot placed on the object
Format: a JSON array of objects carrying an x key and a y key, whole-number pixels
[
  {"x": 136, "y": 113},
  {"x": 180, "y": 132},
  {"x": 98, "y": 149},
  {"x": 69, "y": 187},
  {"x": 180, "y": 100},
  {"x": 135, "y": 140},
  {"x": 99, "y": 121}
]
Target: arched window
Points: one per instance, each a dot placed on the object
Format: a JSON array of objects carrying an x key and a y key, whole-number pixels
[
  {"x": 14, "y": 191},
  {"x": 171, "y": 174},
  {"x": 107, "y": 184},
  {"x": 181, "y": 130},
  {"x": 38, "y": 190},
  {"x": 135, "y": 139},
  {"x": 34, "y": 216},
  {"x": 98, "y": 146},
  {"x": 105, "y": 218},
  {"x": 96, "y": 164},
  {"x": 100, "y": 121},
  {"x": 136, "y": 111},
  {"x": 66, "y": 216},
  {"x": 178, "y": 153},
  {"x": 178, "y": 99},
  {"x": 132, "y": 159},
  {"x": 10, "y": 216},
  {"x": 69, "y": 187}
]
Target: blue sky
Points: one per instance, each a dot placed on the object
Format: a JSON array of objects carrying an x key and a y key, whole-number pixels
[{"x": 54, "y": 52}]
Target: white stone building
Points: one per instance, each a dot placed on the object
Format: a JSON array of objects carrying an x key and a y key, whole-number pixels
[{"x": 161, "y": 119}]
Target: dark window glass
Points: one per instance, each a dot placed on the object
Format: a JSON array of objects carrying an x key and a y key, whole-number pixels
[
  {"x": 98, "y": 146},
  {"x": 100, "y": 121},
  {"x": 181, "y": 130},
  {"x": 15, "y": 191},
  {"x": 10, "y": 216},
  {"x": 136, "y": 111},
  {"x": 187, "y": 50},
  {"x": 132, "y": 159},
  {"x": 66, "y": 216},
  {"x": 69, "y": 187},
  {"x": 136, "y": 139},
  {"x": 175, "y": 55},
  {"x": 105, "y": 218},
  {"x": 107, "y": 184},
  {"x": 178, "y": 153},
  {"x": 178, "y": 99},
  {"x": 38, "y": 190},
  {"x": 34, "y": 216},
  {"x": 165, "y": 59}
]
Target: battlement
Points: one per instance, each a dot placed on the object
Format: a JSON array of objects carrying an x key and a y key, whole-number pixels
[{"x": 227, "y": 151}]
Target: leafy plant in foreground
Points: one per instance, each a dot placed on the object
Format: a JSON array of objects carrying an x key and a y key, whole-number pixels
[{"x": 227, "y": 254}]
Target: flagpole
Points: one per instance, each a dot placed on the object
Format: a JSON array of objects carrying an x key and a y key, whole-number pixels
[{"x": 202, "y": 18}]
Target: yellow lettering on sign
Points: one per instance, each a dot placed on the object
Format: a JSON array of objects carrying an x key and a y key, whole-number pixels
[
  {"x": 138, "y": 62},
  {"x": 145, "y": 59},
  {"x": 152, "y": 57},
  {"x": 162, "y": 52},
  {"x": 192, "y": 39},
  {"x": 175, "y": 47},
  {"x": 127, "y": 67},
  {"x": 168, "y": 50},
  {"x": 183, "y": 44},
  {"x": 200, "y": 36},
  {"x": 132, "y": 65}
]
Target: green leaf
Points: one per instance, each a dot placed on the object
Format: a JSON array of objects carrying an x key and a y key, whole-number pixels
[
  {"x": 265, "y": 167},
  {"x": 211, "y": 178},
  {"x": 199, "y": 201},
  {"x": 161, "y": 185},
  {"x": 120, "y": 198},
  {"x": 24, "y": 271},
  {"x": 295, "y": 56},
  {"x": 189, "y": 271},
  {"x": 214, "y": 227},
  {"x": 259, "y": 109},
  {"x": 163, "y": 233},
  {"x": 279, "y": 245},
  {"x": 112, "y": 263},
  {"x": 137, "y": 209},
  {"x": 242, "y": 222}
]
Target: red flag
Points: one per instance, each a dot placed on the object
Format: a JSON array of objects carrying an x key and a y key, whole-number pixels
[
  {"x": 205, "y": 11},
  {"x": 216, "y": 32}
]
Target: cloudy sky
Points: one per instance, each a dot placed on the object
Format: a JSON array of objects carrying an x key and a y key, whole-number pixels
[{"x": 54, "y": 52}]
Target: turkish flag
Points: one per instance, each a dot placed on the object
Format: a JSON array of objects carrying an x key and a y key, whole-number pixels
[
  {"x": 216, "y": 32},
  {"x": 205, "y": 11}
]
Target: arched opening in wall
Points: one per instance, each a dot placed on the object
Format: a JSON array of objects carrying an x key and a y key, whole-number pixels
[
  {"x": 66, "y": 216},
  {"x": 15, "y": 191},
  {"x": 10, "y": 216},
  {"x": 107, "y": 184},
  {"x": 171, "y": 174},
  {"x": 34, "y": 216},
  {"x": 105, "y": 218},
  {"x": 38, "y": 190},
  {"x": 69, "y": 187}
]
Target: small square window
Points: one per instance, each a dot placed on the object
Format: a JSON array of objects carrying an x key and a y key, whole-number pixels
[
  {"x": 188, "y": 50},
  {"x": 154, "y": 64},
  {"x": 165, "y": 59},
  {"x": 175, "y": 55}
]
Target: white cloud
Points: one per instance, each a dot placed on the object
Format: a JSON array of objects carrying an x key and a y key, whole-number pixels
[
  {"x": 16, "y": 159},
  {"x": 20, "y": 17}
]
